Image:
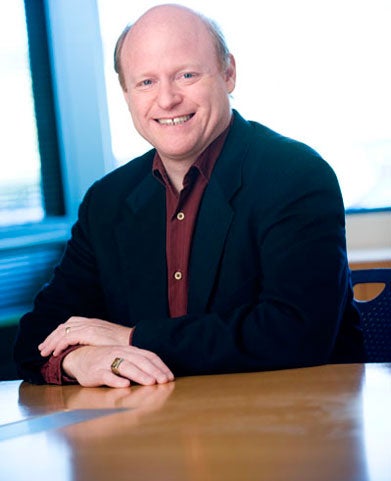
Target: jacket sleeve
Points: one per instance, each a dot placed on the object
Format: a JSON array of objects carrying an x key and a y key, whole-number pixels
[{"x": 73, "y": 290}]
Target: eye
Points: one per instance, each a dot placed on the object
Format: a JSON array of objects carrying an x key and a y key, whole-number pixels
[
  {"x": 144, "y": 84},
  {"x": 187, "y": 76}
]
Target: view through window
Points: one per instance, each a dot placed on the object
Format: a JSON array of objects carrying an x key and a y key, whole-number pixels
[
  {"x": 315, "y": 71},
  {"x": 20, "y": 181}
]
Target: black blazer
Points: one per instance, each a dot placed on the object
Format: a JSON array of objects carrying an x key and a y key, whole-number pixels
[{"x": 269, "y": 278}]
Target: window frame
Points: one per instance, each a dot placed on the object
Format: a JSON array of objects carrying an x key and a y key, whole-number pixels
[{"x": 52, "y": 191}]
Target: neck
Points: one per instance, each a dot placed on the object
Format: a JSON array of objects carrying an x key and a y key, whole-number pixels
[{"x": 176, "y": 171}]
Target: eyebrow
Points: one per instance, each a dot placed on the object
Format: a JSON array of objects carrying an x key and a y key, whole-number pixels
[{"x": 183, "y": 67}]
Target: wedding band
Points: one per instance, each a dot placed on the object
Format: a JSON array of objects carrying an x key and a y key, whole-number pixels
[
  {"x": 115, "y": 365},
  {"x": 67, "y": 330}
]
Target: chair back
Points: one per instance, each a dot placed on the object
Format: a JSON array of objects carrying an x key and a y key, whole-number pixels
[{"x": 376, "y": 314}]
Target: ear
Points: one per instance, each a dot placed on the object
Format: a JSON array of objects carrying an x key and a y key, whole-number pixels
[
  {"x": 126, "y": 96},
  {"x": 230, "y": 74}
]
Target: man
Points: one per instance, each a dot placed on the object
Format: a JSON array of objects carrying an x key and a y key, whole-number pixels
[{"x": 222, "y": 250}]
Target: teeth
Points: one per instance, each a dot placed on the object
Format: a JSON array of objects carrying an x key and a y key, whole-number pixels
[{"x": 175, "y": 120}]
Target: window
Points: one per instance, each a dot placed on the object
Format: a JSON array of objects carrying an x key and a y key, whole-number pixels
[
  {"x": 20, "y": 177},
  {"x": 30, "y": 182},
  {"x": 31, "y": 194},
  {"x": 315, "y": 71}
]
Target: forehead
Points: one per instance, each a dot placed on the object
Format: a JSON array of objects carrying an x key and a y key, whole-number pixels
[{"x": 168, "y": 35}]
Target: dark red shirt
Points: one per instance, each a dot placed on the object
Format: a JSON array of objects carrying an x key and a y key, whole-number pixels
[{"x": 181, "y": 214}]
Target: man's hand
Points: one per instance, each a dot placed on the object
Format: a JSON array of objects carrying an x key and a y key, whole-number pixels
[
  {"x": 91, "y": 366},
  {"x": 84, "y": 331}
]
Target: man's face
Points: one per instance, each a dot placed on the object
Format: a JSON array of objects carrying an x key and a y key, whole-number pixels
[{"x": 176, "y": 91}]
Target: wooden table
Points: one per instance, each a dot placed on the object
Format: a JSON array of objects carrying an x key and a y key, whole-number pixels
[{"x": 322, "y": 423}]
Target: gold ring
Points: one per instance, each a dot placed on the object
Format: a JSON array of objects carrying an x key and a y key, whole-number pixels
[
  {"x": 115, "y": 365},
  {"x": 67, "y": 330}
]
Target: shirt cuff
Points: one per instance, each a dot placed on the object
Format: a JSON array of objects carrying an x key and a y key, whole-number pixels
[{"x": 52, "y": 369}]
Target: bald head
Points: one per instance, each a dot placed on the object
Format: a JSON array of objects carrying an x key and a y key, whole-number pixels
[
  {"x": 175, "y": 82},
  {"x": 170, "y": 16}
]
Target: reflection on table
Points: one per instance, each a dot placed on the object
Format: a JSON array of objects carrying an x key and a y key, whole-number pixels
[{"x": 320, "y": 423}]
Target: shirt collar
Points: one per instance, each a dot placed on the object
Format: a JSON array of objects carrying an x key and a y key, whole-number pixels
[{"x": 204, "y": 163}]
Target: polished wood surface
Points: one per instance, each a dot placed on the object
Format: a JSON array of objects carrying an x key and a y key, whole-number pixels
[{"x": 321, "y": 423}]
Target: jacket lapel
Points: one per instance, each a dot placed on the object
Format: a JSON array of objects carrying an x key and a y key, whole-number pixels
[
  {"x": 213, "y": 222},
  {"x": 215, "y": 217},
  {"x": 141, "y": 237}
]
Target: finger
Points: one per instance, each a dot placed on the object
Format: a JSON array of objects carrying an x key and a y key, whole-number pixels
[
  {"x": 158, "y": 363},
  {"x": 150, "y": 369},
  {"x": 105, "y": 378},
  {"x": 64, "y": 344},
  {"x": 48, "y": 345},
  {"x": 70, "y": 333},
  {"x": 134, "y": 371},
  {"x": 58, "y": 340},
  {"x": 64, "y": 328},
  {"x": 111, "y": 380}
]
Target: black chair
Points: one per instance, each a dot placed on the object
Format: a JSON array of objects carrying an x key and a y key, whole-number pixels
[{"x": 376, "y": 314}]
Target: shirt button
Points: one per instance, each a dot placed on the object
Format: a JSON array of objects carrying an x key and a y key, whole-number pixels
[
  {"x": 180, "y": 216},
  {"x": 178, "y": 275}
]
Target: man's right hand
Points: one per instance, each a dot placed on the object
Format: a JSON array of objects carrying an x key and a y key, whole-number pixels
[{"x": 91, "y": 366}]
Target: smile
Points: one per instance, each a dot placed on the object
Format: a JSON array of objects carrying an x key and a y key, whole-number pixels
[{"x": 175, "y": 120}]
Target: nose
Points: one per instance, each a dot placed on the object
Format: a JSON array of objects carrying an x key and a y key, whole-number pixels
[{"x": 169, "y": 95}]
